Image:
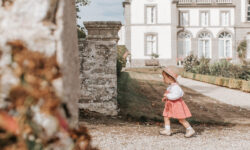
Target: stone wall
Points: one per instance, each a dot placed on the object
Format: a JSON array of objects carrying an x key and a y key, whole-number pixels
[{"x": 98, "y": 68}]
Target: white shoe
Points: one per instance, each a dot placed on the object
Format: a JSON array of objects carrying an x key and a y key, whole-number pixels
[
  {"x": 165, "y": 132},
  {"x": 189, "y": 133}
]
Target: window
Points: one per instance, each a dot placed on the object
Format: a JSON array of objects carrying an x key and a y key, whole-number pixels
[
  {"x": 225, "y": 45},
  {"x": 204, "y": 16},
  {"x": 184, "y": 18},
  {"x": 204, "y": 45},
  {"x": 248, "y": 11},
  {"x": 151, "y": 45},
  {"x": 184, "y": 44},
  {"x": 225, "y": 18},
  {"x": 151, "y": 15}
]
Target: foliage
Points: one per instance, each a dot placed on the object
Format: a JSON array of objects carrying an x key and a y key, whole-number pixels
[
  {"x": 242, "y": 51},
  {"x": 121, "y": 61},
  {"x": 221, "y": 68},
  {"x": 81, "y": 34},
  {"x": 203, "y": 67},
  {"x": 189, "y": 63},
  {"x": 154, "y": 55},
  {"x": 80, "y": 3}
]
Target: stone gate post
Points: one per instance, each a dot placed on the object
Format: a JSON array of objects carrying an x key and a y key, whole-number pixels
[{"x": 98, "y": 68}]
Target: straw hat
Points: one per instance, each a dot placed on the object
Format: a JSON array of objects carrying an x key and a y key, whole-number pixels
[{"x": 170, "y": 73}]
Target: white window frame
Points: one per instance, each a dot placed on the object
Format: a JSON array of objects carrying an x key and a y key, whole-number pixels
[
  {"x": 206, "y": 19},
  {"x": 184, "y": 37},
  {"x": 182, "y": 21},
  {"x": 151, "y": 17},
  {"x": 248, "y": 11},
  {"x": 153, "y": 42},
  {"x": 224, "y": 37},
  {"x": 203, "y": 37},
  {"x": 222, "y": 20}
]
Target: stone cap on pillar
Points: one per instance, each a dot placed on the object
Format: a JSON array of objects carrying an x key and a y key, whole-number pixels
[{"x": 103, "y": 30}]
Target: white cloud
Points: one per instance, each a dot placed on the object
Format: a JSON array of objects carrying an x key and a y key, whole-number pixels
[{"x": 102, "y": 10}]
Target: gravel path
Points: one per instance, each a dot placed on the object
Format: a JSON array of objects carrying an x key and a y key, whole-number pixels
[
  {"x": 141, "y": 137},
  {"x": 222, "y": 94}
]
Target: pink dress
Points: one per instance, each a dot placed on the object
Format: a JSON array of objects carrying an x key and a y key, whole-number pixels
[{"x": 175, "y": 107}]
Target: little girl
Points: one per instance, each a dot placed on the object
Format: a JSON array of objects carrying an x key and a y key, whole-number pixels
[{"x": 175, "y": 107}]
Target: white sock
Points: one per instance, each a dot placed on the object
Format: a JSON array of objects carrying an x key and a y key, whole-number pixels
[
  {"x": 167, "y": 127},
  {"x": 189, "y": 128}
]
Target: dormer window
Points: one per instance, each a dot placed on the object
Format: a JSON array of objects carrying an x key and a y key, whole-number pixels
[{"x": 151, "y": 15}]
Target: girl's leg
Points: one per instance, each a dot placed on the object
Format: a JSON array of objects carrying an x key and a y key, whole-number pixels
[
  {"x": 184, "y": 123},
  {"x": 166, "y": 130},
  {"x": 167, "y": 121},
  {"x": 189, "y": 130}
]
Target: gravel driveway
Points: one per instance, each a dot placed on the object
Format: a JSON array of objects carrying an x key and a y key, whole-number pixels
[{"x": 142, "y": 137}]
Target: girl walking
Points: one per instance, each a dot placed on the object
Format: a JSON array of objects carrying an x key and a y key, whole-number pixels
[{"x": 175, "y": 107}]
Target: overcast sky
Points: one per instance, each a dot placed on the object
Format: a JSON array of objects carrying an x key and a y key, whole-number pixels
[{"x": 102, "y": 10}]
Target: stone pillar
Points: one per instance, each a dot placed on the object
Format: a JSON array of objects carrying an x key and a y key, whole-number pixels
[{"x": 98, "y": 68}]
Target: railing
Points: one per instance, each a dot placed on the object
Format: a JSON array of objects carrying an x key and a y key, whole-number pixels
[
  {"x": 185, "y": 1},
  {"x": 224, "y": 1},
  {"x": 205, "y": 1}
]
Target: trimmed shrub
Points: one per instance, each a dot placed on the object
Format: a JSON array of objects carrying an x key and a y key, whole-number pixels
[
  {"x": 218, "y": 81},
  {"x": 205, "y": 78},
  {"x": 225, "y": 82},
  {"x": 235, "y": 84},
  {"x": 212, "y": 79},
  {"x": 190, "y": 75},
  {"x": 245, "y": 86},
  {"x": 198, "y": 77}
]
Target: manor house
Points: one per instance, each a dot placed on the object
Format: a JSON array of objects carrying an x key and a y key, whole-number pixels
[{"x": 174, "y": 29}]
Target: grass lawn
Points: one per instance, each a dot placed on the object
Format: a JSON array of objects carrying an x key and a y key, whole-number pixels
[{"x": 139, "y": 99}]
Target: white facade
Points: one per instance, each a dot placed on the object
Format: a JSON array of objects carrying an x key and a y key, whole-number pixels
[{"x": 173, "y": 29}]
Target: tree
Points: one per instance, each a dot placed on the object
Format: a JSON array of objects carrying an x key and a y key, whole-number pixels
[
  {"x": 80, "y": 30},
  {"x": 80, "y": 3}
]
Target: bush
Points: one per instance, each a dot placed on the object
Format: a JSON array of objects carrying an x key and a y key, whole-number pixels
[
  {"x": 245, "y": 86},
  {"x": 189, "y": 63},
  {"x": 198, "y": 77},
  {"x": 242, "y": 51},
  {"x": 221, "y": 68},
  {"x": 225, "y": 82},
  {"x": 121, "y": 62},
  {"x": 235, "y": 84},
  {"x": 203, "y": 67}
]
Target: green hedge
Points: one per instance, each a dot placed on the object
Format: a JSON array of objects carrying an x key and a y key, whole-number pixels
[
  {"x": 235, "y": 84},
  {"x": 245, "y": 86},
  {"x": 221, "y": 81}
]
